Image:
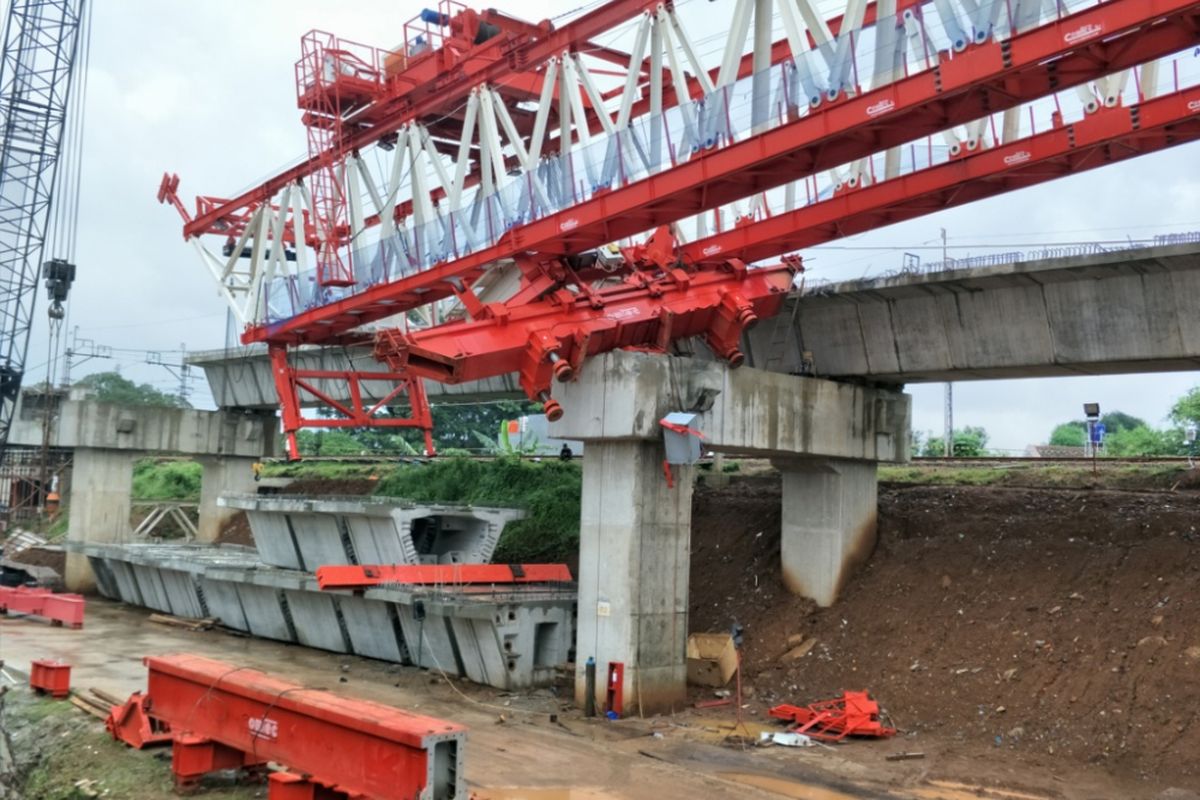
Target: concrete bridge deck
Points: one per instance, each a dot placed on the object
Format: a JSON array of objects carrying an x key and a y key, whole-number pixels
[
  {"x": 1110, "y": 313},
  {"x": 1126, "y": 311}
]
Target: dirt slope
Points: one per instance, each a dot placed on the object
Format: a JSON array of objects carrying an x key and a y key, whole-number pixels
[{"x": 1062, "y": 623}]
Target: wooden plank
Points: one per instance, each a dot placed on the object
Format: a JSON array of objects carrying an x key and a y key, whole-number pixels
[
  {"x": 82, "y": 705},
  {"x": 107, "y": 697}
]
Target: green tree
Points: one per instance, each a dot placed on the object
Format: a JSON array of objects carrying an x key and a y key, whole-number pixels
[
  {"x": 1069, "y": 434},
  {"x": 1116, "y": 421},
  {"x": 330, "y": 443},
  {"x": 969, "y": 442},
  {"x": 1187, "y": 408},
  {"x": 112, "y": 387},
  {"x": 1140, "y": 441},
  {"x": 458, "y": 426}
]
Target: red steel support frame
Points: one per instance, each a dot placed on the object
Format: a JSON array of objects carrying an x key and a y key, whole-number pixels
[
  {"x": 438, "y": 93},
  {"x": 981, "y": 80},
  {"x": 227, "y": 715},
  {"x": 361, "y": 577},
  {"x": 1105, "y": 137},
  {"x": 551, "y": 337},
  {"x": 290, "y": 382},
  {"x": 59, "y": 609},
  {"x": 519, "y": 339}
]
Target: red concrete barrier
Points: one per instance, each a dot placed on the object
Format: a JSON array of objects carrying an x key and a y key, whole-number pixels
[{"x": 59, "y": 609}]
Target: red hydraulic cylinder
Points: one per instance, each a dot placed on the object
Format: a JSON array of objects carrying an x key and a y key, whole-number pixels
[
  {"x": 360, "y": 577},
  {"x": 362, "y": 748}
]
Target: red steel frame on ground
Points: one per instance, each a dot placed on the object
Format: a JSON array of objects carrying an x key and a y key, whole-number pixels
[
  {"x": 852, "y": 714},
  {"x": 226, "y": 716},
  {"x": 361, "y": 577},
  {"x": 132, "y": 723}
]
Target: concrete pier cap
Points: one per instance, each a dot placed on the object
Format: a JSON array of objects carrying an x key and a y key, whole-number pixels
[{"x": 635, "y": 530}]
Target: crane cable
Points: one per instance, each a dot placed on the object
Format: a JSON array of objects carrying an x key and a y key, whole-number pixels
[{"x": 63, "y": 237}]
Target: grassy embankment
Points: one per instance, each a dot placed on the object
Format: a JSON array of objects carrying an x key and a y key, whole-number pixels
[{"x": 549, "y": 490}]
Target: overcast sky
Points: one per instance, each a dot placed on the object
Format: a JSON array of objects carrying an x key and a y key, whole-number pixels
[{"x": 206, "y": 90}]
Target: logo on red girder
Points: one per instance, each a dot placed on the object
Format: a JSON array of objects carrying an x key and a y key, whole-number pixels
[
  {"x": 263, "y": 728},
  {"x": 712, "y": 250},
  {"x": 569, "y": 225},
  {"x": 1019, "y": 157},
  {"x": 1084, "y": 33},
  {"x": 882, "y": 107},
  {"x": 622, "y": 313},
  {"x": 1194, "y": 106}
]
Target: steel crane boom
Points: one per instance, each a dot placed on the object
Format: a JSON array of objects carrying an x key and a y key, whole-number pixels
[{"x": 41, "y": 40}]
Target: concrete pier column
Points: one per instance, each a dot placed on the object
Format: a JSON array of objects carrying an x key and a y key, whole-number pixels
[
  {"x": 635, "y": 534},
  {"x": 101, "y": 483},
  {"x": 635, "y": 531},
  {"x": 222, "y": 475},
  {"x": 829, "y": 523}
]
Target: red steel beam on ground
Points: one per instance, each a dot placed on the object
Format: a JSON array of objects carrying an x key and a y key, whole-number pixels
[
  {"x": 361, "y": 577},
  {"x": 1105, "y": 137},
  {"x": 982, "y": 80},
  {"x": 362, "y": 748}
]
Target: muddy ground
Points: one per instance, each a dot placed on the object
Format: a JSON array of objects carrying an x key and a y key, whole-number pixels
[
  {"x": 1018, "y": 628},
  {"x": 1061, "y": 626}
]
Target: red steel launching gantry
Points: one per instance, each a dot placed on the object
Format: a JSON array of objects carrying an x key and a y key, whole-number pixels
[{"x": 497, "y": 196}]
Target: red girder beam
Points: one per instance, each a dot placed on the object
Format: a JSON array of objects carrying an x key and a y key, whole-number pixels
[
  {"x": 433, "y": 97},
  {"x": 982, "y": 80},
  {"x": 548, "y": 337},
  {"x": 362, "y": 577},
  {"x": 363, "y": 749},
  {"x": 1106, "y": 137}
]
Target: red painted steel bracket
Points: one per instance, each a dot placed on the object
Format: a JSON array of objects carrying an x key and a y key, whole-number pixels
[
  {"x": 48, "y": 676},
  {"x": 132, "y": 723}
]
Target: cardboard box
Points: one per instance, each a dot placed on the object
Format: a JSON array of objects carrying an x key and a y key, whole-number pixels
[{"x": 711, "y": 659}]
